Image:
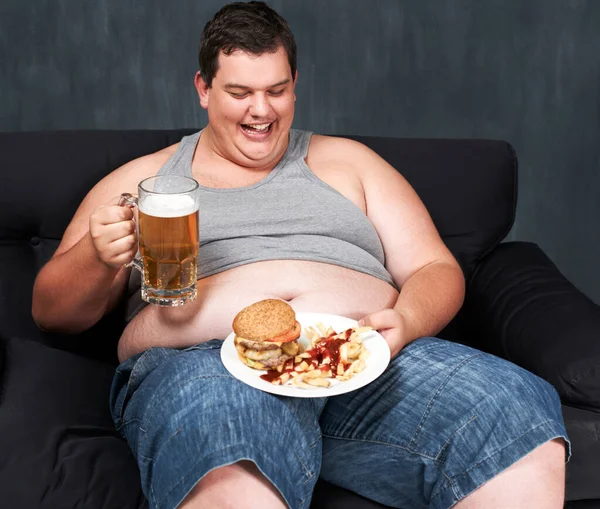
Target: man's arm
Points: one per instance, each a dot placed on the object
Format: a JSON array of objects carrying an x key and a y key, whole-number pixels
[
  {"x": 430, "y": 279},
  {"x": 86, "y": 276}
]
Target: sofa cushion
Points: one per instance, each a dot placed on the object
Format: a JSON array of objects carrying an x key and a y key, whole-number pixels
[
  {"x": 523, "y": 309},
  {"x": 59, "y": 446}
]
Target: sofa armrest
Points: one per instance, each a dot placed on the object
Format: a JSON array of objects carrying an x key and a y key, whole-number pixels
[{"x": 520, "y": 307}]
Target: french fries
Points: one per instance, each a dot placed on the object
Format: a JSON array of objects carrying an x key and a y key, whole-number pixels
[{"x": 330, "y": 356}]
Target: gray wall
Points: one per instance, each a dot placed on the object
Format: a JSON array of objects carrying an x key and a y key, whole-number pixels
[{"x": 524, "y": 71}]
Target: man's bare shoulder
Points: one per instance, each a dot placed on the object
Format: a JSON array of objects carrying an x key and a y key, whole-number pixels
[
  {"x": 123, "y": 180},
  {"x": 147, "y": 165},
  {"x": 349, "y": 154},
  {"x": 335, "y": 148},
  {"x": 126, "y": 177}
]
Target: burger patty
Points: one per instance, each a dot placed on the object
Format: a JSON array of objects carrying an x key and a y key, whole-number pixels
[
  {"x": 290, "y": 348},
  {"x": 268, "y": 358},
  {"x": 257, "y": 345},
  {"x": 262, "y": 355},
  {"x": 276, "y": 361},
  {"x": 271, "y": 357}
]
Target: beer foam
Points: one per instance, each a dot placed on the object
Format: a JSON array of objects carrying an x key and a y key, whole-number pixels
[{"x": 168, "y": 205}]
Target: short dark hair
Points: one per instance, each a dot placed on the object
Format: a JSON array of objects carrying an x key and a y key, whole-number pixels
[{"x": 252, "y": 27}]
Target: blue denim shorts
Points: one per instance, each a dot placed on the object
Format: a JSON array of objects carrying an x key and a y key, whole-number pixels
[{"x": 442, "y": 420}]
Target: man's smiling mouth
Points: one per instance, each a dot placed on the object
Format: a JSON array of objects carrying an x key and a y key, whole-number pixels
[{"x": 257, "y": 128}]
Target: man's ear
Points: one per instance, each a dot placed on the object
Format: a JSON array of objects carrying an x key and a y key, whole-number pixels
[
  {"x": 295, "y": 81},
  {"x": 203, "y": 90}
]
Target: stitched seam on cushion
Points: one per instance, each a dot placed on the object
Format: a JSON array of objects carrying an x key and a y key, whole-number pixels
[
  {"x": 587, "y": 372},
  {"x": 437, "y": 393},
  {"x": 503, "y": 234},
  {"x": 388, "y": 444},
  {"x": 515, "y": 188}
]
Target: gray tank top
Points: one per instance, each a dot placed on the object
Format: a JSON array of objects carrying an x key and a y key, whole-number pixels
[{"x": 290, "y": 214}]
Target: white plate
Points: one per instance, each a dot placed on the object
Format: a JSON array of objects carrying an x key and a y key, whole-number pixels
[{"x": 376, "y": 363}]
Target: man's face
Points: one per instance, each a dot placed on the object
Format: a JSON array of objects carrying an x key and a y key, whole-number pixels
[{"x": 250, "y": 106}]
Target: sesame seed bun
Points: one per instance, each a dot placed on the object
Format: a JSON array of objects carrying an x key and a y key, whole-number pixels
[{"x": 265, "y": 319}]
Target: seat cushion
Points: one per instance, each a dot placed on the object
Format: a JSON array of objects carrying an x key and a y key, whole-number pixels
[
  {"x": 329, "y": 496},
  {"x": 59, "y": 446}
]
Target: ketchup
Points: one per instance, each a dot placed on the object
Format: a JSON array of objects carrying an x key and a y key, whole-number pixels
[{"x": 325, "y": 348}]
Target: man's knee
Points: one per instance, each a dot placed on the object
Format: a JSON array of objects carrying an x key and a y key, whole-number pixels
[
  {"x": 550, "y": 456},
  {"x": 240, "y": 484}
]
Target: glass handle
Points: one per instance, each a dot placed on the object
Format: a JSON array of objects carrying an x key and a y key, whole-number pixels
[{"x": 128, "y": 200}]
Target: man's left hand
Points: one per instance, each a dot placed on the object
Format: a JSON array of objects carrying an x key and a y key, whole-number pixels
[{"x": 392, "y": 325}]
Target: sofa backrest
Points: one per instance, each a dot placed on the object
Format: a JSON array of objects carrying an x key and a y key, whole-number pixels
[{"x": 469, "y": 187}]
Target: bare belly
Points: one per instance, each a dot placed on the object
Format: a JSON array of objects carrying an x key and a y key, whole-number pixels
[{"x": 307, "y": 286}]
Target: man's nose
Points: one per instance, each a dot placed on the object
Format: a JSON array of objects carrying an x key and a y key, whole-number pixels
[{"x": 259, "y": 106}]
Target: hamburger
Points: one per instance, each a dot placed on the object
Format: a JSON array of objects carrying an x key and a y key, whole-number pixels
[{"x": 266, "y": 334}]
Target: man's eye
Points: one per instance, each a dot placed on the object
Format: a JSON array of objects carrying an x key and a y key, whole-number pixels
[
  {"x": 277, "y": 93},
  {"x": 238, "y": 95}
]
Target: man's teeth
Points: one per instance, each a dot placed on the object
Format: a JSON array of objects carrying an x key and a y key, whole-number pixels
[{"x": 258, "y": 127}]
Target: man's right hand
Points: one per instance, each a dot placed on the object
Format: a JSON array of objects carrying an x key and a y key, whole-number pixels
[{"x": 113, "y": 233}]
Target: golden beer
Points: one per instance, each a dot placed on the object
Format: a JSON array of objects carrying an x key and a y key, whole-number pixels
[
  {"x": 168, "y": 244},
  {"x": 168, "y": 248}
]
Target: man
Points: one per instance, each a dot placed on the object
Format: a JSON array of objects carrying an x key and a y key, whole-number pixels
[{"x": 328, "y": 226}]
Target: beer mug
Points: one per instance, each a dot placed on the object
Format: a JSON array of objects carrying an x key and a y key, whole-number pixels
[{"x": 167, "y": 232}]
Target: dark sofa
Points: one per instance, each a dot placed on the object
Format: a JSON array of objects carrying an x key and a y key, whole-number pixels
[{"x": 58, "y": 445}]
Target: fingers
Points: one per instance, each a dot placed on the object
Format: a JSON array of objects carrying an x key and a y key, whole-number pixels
[
  {"x": 109, "y": 232},
  {"x": 121, "y": 251},
  {"x": 385, "y": 319},
  {"x": 124, "y": 244},
  {"x": 113, "y": 233},
  {"x": 108, "y": 214},
  {"x": 390, "y": 325}
]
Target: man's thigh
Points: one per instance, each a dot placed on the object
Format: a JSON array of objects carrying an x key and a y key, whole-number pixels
[
  {"x": 442, "y": 420},
  {"x": 183, "y": 415}
]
